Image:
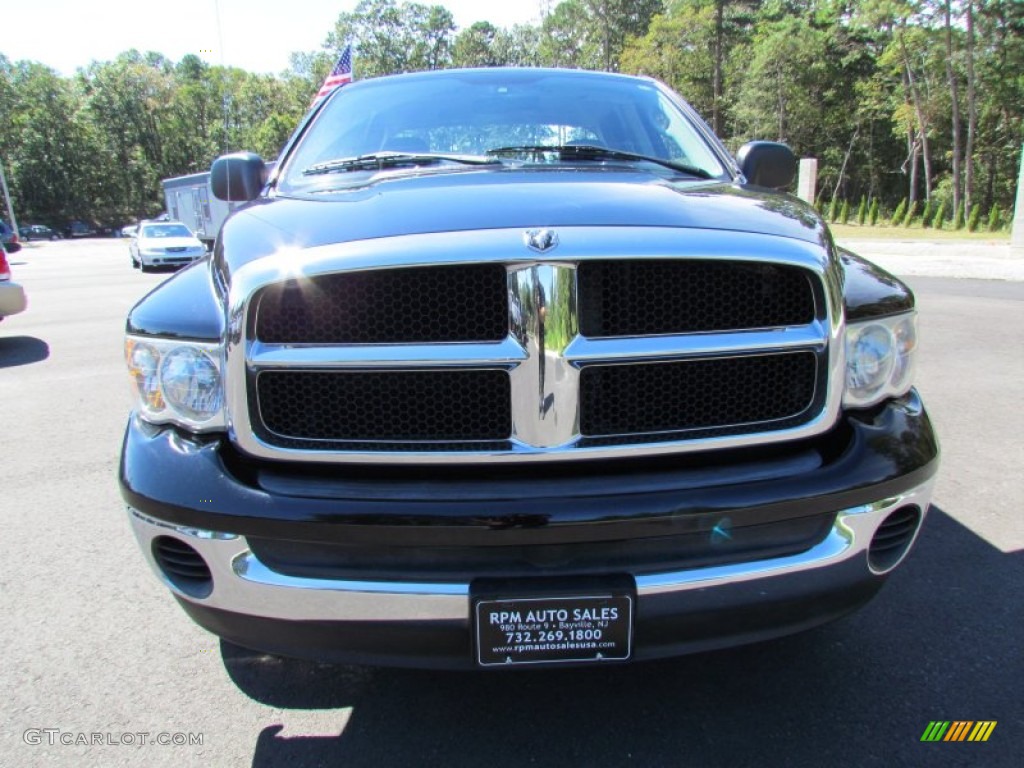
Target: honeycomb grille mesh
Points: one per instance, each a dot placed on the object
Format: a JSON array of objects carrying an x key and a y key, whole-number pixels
[
  {"x": 379, "y": 405},
  {"x": 695, "y": 394},
  {"x": 422, "y": 304},
  {"x": 639, "y": 297}
]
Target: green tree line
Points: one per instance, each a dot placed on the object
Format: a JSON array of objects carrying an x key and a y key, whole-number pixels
[
  {"x": 94, "y": 146},
  {"x": 912, "y": 102}
]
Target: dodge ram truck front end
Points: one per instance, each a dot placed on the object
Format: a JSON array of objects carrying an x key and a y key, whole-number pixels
[{"x": 491, "y": 372}]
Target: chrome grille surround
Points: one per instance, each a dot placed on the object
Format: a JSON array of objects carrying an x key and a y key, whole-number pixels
[{"x": 543, "y": 354}]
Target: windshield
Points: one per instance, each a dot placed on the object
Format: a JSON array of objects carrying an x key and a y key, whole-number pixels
[
  {"x": 166, "y": 230},
  {"x": 496, "y": 117}
]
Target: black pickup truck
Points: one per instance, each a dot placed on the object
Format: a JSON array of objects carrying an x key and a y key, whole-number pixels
[{"x": 507, "y": 368}]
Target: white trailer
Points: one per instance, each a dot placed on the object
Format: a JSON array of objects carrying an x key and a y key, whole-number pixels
[{"x": 190, "y": 201}]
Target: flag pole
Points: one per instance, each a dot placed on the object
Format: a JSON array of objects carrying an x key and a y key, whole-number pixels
[{"x": 7, "y": 200}]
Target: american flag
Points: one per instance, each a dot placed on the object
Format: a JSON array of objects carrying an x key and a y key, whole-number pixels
[{"x": 341, "y": 74}]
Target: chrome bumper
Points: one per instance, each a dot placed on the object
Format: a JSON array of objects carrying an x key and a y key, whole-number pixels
[{"x": 244, "y": 585}]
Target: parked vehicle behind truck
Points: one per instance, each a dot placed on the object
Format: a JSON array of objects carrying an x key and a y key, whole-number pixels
[
  {"x": 163, "y": 244},
  {"x": 12, "y": 295},
  {"x": 190, "y": 201}
]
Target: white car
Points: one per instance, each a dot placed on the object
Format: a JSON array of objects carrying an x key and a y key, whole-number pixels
[{"x": 164, "y": 243}]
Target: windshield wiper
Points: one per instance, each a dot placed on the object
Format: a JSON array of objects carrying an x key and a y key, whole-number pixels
[
  {"x": 380, "y": 160},
  {"x": 591, "y": 152}
]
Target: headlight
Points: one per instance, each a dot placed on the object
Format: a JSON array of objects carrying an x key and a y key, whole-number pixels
[
  {"x": 143, "y": 364},
  {"x": 177, "y": 382},
  {"x": 879, "y": 359}
]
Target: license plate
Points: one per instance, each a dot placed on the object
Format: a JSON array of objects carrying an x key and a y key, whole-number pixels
[{"x": 545, "y": 630}]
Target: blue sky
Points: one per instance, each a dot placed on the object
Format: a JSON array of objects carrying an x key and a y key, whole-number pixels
[{"x": 257, "y": 35}]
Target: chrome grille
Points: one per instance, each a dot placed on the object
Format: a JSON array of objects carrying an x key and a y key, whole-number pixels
[{"x": 558, "y": 366}]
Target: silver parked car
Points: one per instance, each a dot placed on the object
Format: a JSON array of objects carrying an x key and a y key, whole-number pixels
[{"x": 164, "y": 243}]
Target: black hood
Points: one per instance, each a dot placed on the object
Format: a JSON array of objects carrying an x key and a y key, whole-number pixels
[{"x": 512, "y": 198}]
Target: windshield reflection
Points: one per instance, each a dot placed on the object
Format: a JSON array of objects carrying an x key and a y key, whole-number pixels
[{"x": 473, "y": 113}]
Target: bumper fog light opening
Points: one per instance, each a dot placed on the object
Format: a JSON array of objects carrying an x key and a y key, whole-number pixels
[
  {"x": 893, "y": 538},
  {"x": 183, "y": 567}
]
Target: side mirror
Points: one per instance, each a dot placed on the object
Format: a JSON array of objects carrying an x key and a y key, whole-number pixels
[
  {"x": 238, "y": 177},
  {"x": 767, "y": 163}
]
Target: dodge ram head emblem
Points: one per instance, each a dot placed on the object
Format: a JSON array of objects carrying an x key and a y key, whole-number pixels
[{"x": 541, "y": 240}]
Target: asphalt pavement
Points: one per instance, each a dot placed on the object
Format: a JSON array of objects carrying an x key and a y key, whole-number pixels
[{"x": 100, "y": 659}]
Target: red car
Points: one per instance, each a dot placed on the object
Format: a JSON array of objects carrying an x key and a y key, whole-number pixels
[{"x": 12, "y": 295}]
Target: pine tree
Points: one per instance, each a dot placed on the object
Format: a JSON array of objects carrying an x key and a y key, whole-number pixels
[
  {"x": 910, "y": 214},
  {"x": 972, "y": 222},
  {"x": 958, "y": 217},
  {"x": 833, "y": 210},
  {"x": 862, "y": 210},
  {"x": 994, "y": 220},
  {"x": 873, "y": 216},
  {"x": 926, "y": 215},
  {"x": 940, "y": 214},
  {"x": 844, "y": 213},
  {"x": 901, "y": 209}
]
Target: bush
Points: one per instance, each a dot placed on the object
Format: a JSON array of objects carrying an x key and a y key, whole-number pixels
[
  {"x": 844, "y": 214},
  {"x": 940, "y": 215},
  {"x": 995, "y": 222},
  {"x": 958, "y": 217},
  {"x": 862, "y": 210},
  {"x": 910, "y": 214},
  {"x": 833, "y": 210},
  {"x": 974, "y": 218},
  {"x": 901, "y": 209},
  {"x": 873, "y": 216}
]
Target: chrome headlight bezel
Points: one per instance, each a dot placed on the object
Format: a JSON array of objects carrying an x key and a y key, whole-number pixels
[
  {"x": 880, "y": 359},
  {"x": 159, "y": 370}
]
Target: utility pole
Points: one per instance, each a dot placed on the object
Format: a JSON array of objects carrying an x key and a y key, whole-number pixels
[{"x": 7, "y": 200}]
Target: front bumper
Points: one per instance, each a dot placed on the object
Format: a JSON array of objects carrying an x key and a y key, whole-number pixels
[
  {"x": 168, "y": 260},
  {"x": 183, "y": 490},
  {"x": 12, "y": 298}
]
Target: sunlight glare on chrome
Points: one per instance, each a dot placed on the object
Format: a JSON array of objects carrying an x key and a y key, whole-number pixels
[{"x": 286, "y": 266}]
